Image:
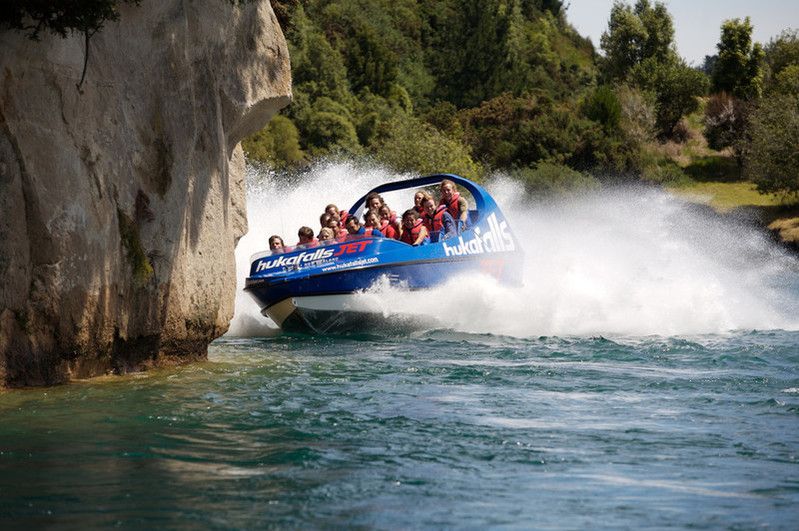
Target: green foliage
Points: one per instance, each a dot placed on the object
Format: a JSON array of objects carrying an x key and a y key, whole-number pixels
[
  {"x": 409, "y": 144},
  {"x": 676, "y": 87},
  {"x": 278, "y": 144},
  {"x": 772, "y": 161},
  {"x": 664, "y": 172},
  {"x": 509, "y": 130},
  {"x": 548, "y": 178},
  {"x": 639, "y": 50},
  {"x": 604, "y": 107},
  {"x": 634, "y": 35},
  {"x": 781, "y": 53},
  {"x": 786, "y": 82},
  {"x": 738, "y": 69}
]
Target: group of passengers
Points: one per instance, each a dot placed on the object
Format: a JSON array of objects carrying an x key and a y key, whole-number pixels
[{"x": 427, "y": 221}]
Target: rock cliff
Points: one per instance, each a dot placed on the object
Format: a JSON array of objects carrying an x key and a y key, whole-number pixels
[{"x": 121, "y": 203}]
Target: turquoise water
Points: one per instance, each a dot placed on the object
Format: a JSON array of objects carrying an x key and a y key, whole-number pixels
[{"x": 437, "y": 430}]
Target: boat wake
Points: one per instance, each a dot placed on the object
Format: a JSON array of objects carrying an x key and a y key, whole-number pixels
[{"x": 617, "y": 262}]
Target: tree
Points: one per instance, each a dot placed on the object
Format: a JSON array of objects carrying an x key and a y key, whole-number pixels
[
  {"x": 772, "y": 161},
  {"x": 676, "y": 86},
  {"x": 726, "y": 122},
  {"x": 636, "y": 34},
  {"x": 738, "y": 70},
  {"x": 781, "y": 55}
]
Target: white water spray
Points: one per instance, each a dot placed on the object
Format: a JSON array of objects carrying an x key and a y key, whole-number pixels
[{"x": 631, "y": 261}]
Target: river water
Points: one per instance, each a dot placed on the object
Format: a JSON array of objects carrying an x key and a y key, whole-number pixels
[{"x": 646, "y": 375}]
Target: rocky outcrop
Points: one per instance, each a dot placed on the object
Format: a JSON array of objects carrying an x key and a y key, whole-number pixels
[{"x": 121, "y": 202}]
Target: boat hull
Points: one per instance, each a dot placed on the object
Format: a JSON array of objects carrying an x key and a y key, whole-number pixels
[{"x": 330, "y": 302}]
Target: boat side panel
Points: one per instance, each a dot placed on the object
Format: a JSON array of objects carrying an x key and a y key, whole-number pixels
[{"x": 418, "y": 275}]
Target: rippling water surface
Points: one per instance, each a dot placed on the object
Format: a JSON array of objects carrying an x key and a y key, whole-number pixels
[
  {"x": 442, "y": 429},
  {"x": 607, "y": 392}
]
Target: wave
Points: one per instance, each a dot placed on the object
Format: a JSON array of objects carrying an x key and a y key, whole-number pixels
[{"x": 627, "y": 261}]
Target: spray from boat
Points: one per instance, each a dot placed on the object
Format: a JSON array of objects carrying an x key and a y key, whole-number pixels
[{"x": 632, "y": 261}]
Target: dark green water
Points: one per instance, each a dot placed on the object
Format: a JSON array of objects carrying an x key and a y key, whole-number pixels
[{"x": 441, "y": 430}]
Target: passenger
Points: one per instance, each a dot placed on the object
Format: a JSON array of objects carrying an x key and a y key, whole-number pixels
[
  {"x": 357, "y": 231},
  {"x": 307, "y": 240},
  {"x": 340, "y": 232},
  {"x": 326, "y": 236},
  {"x": 456, "y": 205},
  {"x": 276, "y": 245},
  {"x": 413, "y": 230},
  {"x": 371, "y": 221},
  {"x": 334, "y": 211},
  {"x": 374, "y": 201},
  {"x": 388, "y": 223},
  {"x": 418, "y": 201},
  {"x": 438, "y": 221},
  {"x": 324, "y": 219}
]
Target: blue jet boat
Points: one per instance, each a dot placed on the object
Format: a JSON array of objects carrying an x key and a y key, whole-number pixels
[{"x": 315, "y": 289}]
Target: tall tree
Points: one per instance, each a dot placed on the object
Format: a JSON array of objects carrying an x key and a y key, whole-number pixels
[
  {"x": 738, "y": 70},
  {"x": 634, "y": 35}
]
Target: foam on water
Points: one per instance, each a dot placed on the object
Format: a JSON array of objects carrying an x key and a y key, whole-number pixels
[{"x": 631, "y": 261}]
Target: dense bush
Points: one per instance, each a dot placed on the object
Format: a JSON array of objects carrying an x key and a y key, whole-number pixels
[
  {"x": 548, "y": 178},
  {"x": 772, "y": 160},
  {"x": 410, "y": 144},
  {"x": 278, "y": 144}
]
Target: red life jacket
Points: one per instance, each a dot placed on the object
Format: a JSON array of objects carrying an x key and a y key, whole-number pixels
[
  {"x": 452, "y": 206},
  {"x": 310, "y": 244},
  {"x": 367, "y": 231},
  {"x": 342, "y": 217},
  {"x": 342, "y": 235},
  {"x": 435, "y": 222},
  {"x": 409, "y": 236},
  {"x": 388, "y": 229}
]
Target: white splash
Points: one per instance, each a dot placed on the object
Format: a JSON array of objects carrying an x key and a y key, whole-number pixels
[{"x": 626, "y": 261}]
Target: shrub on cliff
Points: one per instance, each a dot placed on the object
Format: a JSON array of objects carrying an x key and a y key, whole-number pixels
[{"x": 62, "y": 17}]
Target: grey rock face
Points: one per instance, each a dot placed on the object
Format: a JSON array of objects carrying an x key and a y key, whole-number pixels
[{"x": 121, "y": 203}]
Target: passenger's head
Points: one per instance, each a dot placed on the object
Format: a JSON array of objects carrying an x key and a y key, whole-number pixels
[
  {"x": 324, "y": 219},
  {"x": 331, "y": 209},
  {"x": 374, "y": 201},
  {"x": 420, "y": 196},
  {"x": 430, "y": 206},
  {"x": 409, "y": 218},
  {"x": 334, "y": 222},
  {"x": 353, "y": 225},
  {"x": 326, "y": 234},
  {"x": 276, "y": 244},
  {"x": 385, "y": 213},
  {"x": 305, "y": 234},
  {"x": 371, "y": 218},
  {"x": 447, "y": 189}
]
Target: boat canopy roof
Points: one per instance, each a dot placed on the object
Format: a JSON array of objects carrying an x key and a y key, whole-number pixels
[{"x": 483, "y": 200}]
